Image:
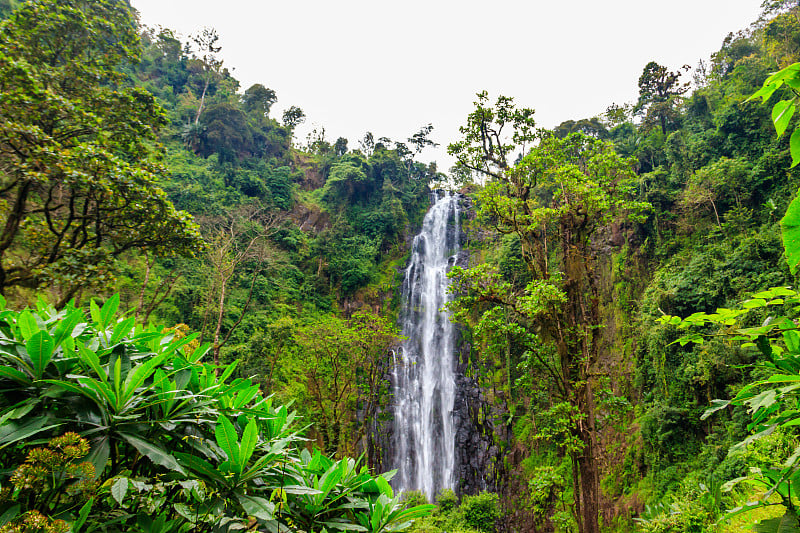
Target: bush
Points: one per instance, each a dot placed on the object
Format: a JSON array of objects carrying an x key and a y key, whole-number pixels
[
  {"x": 481, "y": 511},
  {"x": 447, "y": 500}
]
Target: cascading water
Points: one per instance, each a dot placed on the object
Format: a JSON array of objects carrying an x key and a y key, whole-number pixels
[{"x": 424, "y": 379}]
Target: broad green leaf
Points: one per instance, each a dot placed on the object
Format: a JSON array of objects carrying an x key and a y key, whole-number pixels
[
  {"x": 243, "y": 397},
  {"x": 249, "y": 441},
  {"x": 185, "y": 511},
  {"x": 728, "y": 486},
  {"x": 413, "y": 512},
  {"x": 20, "y": 410},
  {"x": 781, "y": 115},
  {"x": 754, "y": 303},
  {"x": 384, "y": 487},
  {"x": 119, "y": 489},
  {"x": 121, "y": 330},
  {"x": 258, "y": 507},
  {"x": 66, "y": 326},
  {"x": 328, "y": 481},
  {"x": 752, "y": 438},
  {"x": 228, "y": 440},
  {"x": 199, "y": 352},
  {"x": 83, "y": 514},
  {"x": 16, "y": 375},
  {"x": 300, "y": 490},
  {"x": 10, "y": 514},
  {"x": 199, "y": 466},
  {"x": 790, "y": 229},
  {"x": 103, "y": 395},
  {"x": 90, "y": 359},
  {"x": 793, "y": 82},
  {"x": 783, "y": 378},
  {"x": 787, "y": 523},
  {"x": 40, "y": 349},
  {"x": 788, "y": 72},
  {"x": 764, "y": 92},
  {"x": 228, "y": 371},
  {"x": 794, "y": 147},
  {"x": 27, "y": 324},
  {"x": 138, "y": 376},
  {"x": 117, "y": 371},
  {"x": 94, "y": 310},
  {"x": 12, "y": 432},
  {"x": 109, "y": 310},
  {"x": 376, "y": 513},
  {"x": 717, "y": 405},
  {"x": 98, "y": 455},
  {"x": 173, "y": 346},
  {"x": 155, "y": 453}
]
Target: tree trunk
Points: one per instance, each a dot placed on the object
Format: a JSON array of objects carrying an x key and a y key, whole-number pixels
[
  {"x": 220, "y": 315},
  {"x": 202, "y": 101},
  {"x": 587, "y": 465}
]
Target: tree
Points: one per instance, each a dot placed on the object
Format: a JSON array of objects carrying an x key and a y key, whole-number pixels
[
  {"x": 367, "y": 144},
  {"x": 237, "y": 241},
  {"x": 293, "y": 117},
  {"x": 210, "y": 64},
  {"x": 77, "y": 172},
  {"x": 659, "y": 94},
  {"x": 224, "y": 130},
  {"x": 587, "y": 126},
  {"x": 556, "y": 200},
  {"x": 259, "y": 99},
  {"x": 420, "y": 140},
  {"x": 340, "y": 146},
  {"x": 347, "y": 361},
  {"x": 7, "y": 6},
  {"x": 486, "y": 148}
]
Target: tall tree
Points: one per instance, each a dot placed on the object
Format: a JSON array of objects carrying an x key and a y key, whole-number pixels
[
  {"x": 346, "y": 361},
  {"x": 77, "y": 172},
  {"x": 421, "y": 140},
  {"x": 556, "y": 200},
  {"x": 238, "y": 244},
  {"x": 293, "y": 117},
  {"x": 659, "y": 95},
  {"x": 259, "y": 99},
  {"x": 210, "y": 63}
]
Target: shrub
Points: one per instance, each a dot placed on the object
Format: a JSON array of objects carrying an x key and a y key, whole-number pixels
[{"x": 481, "y": 511}]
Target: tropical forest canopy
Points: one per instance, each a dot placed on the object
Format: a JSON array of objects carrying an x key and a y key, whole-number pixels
[{"x": 199, "y": 309}]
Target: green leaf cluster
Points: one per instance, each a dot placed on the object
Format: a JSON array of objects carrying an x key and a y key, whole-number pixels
[{"x": 170, "y": 442}]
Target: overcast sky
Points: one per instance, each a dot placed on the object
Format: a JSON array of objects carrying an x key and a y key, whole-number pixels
[{"x": 392, "y": 67}]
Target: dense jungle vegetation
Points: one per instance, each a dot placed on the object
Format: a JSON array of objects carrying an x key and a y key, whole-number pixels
[{"x": 198, "y": 309}]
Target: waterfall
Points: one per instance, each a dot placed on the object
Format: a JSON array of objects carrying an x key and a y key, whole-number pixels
[{"x": 424, "y": 368}]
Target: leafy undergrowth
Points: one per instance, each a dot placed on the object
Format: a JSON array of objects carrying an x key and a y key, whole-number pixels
[{"x": 143, "y": 434}]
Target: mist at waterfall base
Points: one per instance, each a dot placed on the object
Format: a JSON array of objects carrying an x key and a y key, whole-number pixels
[{"x": 423, "y": 378}]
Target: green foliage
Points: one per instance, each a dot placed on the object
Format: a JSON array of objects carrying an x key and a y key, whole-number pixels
[
  {"x": 80, "y": 177},
  {"x": 475, "y": 514},
  {"x": 344, "y": 365},
  {"x": 481, "y": 511},
  {"x": 446, "y": 500},
  {"x": 659, "y": 95},
  {"x": 555, "y": 200},
  {"x": 166, "y": 440}
]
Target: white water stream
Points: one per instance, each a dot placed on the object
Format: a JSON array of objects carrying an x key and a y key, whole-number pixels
[{"x": 424, "y": 368}]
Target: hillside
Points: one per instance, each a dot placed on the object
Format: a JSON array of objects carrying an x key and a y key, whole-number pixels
[{"x": 136, "y": 174}]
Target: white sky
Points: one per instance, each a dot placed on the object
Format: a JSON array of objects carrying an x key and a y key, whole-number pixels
[{"x": 392, "y": 67}]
